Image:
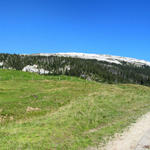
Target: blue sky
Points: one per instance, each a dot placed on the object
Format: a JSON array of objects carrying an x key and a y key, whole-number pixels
[{"x": 117, "y": 27}]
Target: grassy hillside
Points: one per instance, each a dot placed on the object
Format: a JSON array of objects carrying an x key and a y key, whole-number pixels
[{"x": 64, "y": 113}]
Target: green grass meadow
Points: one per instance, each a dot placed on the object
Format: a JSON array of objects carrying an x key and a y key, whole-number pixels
[{"x": 64, "y": 113}]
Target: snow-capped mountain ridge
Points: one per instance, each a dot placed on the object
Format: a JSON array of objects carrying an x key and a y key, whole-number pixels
[{"x": 106, "y": 58}]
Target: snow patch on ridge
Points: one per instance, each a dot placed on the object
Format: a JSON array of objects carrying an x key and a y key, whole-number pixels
[{"x": 106, "y": 58}]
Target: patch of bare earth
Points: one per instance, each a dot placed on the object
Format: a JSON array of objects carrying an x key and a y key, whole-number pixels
[
  {"x": 29, "y": 109},
  {"x": 129, "y": 139}
]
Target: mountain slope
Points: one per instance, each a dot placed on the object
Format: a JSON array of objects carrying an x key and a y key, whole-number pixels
[
  {"x": 106, "y": 58},
  {"x": 100, "y": 68}
]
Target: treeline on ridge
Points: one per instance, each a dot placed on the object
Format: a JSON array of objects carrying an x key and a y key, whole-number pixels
[{"x": 85, "y": 68}]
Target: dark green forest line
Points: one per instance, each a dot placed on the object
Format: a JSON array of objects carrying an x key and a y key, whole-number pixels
[{"x": 85, "y": 68}]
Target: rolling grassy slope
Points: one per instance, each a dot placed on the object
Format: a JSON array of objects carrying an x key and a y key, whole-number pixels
[{"x": 64, "y": 113}]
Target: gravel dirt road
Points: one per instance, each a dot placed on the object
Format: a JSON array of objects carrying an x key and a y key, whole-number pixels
[{"x": 130, "y": 138}]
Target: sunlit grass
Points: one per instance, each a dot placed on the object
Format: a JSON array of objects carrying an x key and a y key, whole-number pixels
[{"x": 67, "y": 113}]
